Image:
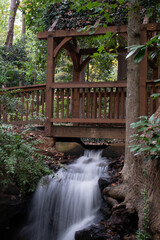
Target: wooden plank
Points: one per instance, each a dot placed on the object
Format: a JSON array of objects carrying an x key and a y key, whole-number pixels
[
  {"x": 32, "y": 104},
  {"x": 105, "y": 103},
  {"x": 100, "y": 103},
  {"x": 57, "y": 104},
  {"x": 62, "y": 97},
  {"x": 94, "y": 115},
  {"x": 83, "y": 103},
  {"x": 37, "y": 103},
  {"x": 89, "y": 132},
  {"x": 76, "y": 103},
  {"x": 87, "y": 120},
  {"x": 117, "y": 103},
  {"x": 89, "y": 85},
  {"x": 111, "y": 104},
  {"x": 27, "y": 88},
  {"x": 68, "y": 103},
  {"x": 43, "y": 100},
  {"x": 75, "y": 33},
  {"x": 88, "y": 103},
  {"x": 22, "y": 105},
  {"x": 122, "y": 103}
]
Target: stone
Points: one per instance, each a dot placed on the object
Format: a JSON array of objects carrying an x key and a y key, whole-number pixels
[
  {"x": 114, "y": 150},
  {"x": 104, "y": 182},
  {"x": 91, "y": 233},
  {"x": 48, "y": 141}
]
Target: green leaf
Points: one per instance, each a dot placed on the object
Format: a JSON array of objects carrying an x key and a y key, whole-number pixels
[
  {"x": 131, "y": 53},
  {"x": 140, "y": 55},
  {"x": 155, "y": 95}
]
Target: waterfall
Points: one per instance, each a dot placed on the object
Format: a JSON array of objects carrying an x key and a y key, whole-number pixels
[{"x": 68, "y": 202}]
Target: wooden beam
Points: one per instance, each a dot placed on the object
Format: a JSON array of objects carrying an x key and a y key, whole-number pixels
[
  {"x": 50, "y": 79},
  {"x": 91, "y": 132},
  {"x": 99, "y": 31},
  {"x": 89, "y": 85},
  {"x": 83, "y": 64},
  {"x": 61, "y": 45},
  {"x": 75, "y": 33},
  {"x": 88, "y": 120}
]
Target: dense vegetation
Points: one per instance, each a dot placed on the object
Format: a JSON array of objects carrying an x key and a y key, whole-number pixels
[{"x": 20, "y": 164}]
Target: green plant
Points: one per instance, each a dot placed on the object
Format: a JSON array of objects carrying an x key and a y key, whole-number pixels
[
  {"x": 143, "y": 234},
  {"x": 20, "y": 163},
  {"x": 148, "y": 137}
]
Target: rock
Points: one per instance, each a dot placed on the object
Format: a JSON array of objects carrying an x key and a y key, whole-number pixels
[
  {"x": 114, "y": 150},
  {"x": 91, "y": 233},
  {"x": 70, "y": 148},
  {"x": 48, "y": 141},
  {"x": 104, "y": 182},
  {"x": 106, "y": 211}
]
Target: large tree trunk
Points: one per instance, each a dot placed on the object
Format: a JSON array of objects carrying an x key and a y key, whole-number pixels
[
  {"x": 13, "y": 10},
  {"x": 132, "y": 102}
]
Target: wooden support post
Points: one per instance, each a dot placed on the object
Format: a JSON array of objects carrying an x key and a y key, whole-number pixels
[
  {"x": 143, "y": 77},
  {"x": 49, "y": 81},
  {"x": 122, "y": 66},
  {"x": 75, "y": 96}
]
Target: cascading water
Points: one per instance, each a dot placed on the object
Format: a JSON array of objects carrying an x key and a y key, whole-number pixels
[{"x": 68, "y": 202}]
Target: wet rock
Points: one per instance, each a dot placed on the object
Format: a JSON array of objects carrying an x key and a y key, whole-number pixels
[
  {"x": 104, "y": 182},
  {"x": 114, "y": 150},
  {"x": 91, "y": 233},
  {"x": 106, "y": 211}
]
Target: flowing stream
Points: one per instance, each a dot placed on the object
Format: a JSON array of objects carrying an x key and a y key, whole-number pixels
[{"x": 68, "y": 202}]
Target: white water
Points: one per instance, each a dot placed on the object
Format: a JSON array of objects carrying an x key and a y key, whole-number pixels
[{"x": 68, "y": 202}]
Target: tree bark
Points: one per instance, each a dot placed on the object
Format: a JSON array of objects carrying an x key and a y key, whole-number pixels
[
  {"x": 133, "y": 73},
  {"x": 23, "y": 25},
  {"x": 13, "y": 10}
]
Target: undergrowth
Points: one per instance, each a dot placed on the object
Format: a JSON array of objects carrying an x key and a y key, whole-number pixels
[{"x": 20, "y": 163}]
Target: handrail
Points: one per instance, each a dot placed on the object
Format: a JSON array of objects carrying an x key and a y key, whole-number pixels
[
  {"x": 28, "y": 87},
  {"x": 89, "y": 85}
]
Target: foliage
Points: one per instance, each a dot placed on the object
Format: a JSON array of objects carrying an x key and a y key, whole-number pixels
[
  {"x": 140, "y": 50},
  {"x": 19, "y": 162},
  {"x": 143, "y": 234},
  {"x": 24, "y": 62},
  {"x": 148, "y": 139},
  {"x": 12, "y": 67}
]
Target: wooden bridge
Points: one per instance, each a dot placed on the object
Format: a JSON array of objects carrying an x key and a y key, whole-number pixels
[
  {"x": 81, "y": 109},
  {"x": 98, "y": 111}
]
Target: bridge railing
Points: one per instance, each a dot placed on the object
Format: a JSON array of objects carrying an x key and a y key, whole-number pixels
[
  {"x": 22, "y": 104},
  {"x": 89, "y": 102},
  {"x": 82, "y": 103}
]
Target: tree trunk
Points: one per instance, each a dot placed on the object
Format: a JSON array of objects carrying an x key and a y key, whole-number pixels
[
  {"x": 13, "y": 10},
  {"x": 132, "y": 102},
  {"x": 23, "y": 25}
]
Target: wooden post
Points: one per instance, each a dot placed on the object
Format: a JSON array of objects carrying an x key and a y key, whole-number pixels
[
  {"x": 49, "y": 81},
  {"x": 122, "y": 66},
  {"x": 75, "y": 95},
  {"x": 143, "y": 76}
]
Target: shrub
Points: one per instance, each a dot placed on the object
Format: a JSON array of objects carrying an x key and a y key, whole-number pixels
[
  {"x": 20, "y": 164},
  {"x": 148, "y": 139}
]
